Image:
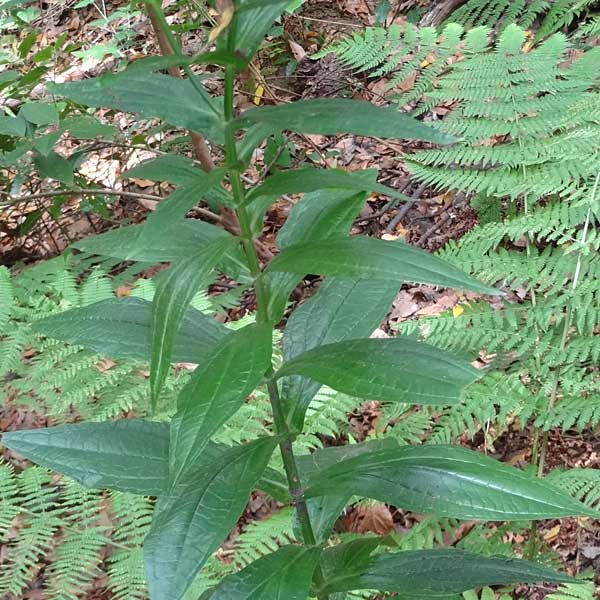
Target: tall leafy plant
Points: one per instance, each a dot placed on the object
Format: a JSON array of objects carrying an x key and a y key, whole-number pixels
[{"x": 202, "y": 486}]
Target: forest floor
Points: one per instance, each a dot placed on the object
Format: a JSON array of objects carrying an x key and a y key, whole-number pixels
[{"x": 428, "y": 221}]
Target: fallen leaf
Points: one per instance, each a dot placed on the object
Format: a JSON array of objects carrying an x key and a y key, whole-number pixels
[{"x": 370, "y": 518}]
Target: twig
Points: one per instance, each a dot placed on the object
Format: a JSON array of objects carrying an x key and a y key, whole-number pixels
[
  {"x": 201, "y": 148},
  {"x": 348, "y": 24},
  {"x": 434, "y": 228},
  {"x": 404, "y": 210},
  {"x": 84, "y": 192}
]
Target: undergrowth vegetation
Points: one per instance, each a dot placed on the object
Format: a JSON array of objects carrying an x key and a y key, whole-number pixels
[{"x": 88, "y": 338}]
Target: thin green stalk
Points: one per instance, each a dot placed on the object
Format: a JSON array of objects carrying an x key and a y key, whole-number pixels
[{"x": 280, "y": 425}]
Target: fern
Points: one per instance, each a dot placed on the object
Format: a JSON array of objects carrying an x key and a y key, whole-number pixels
[
  {"x": 264, "y": 536},
  {"x": 562, "y": 13},
  {"x": 132, "y": 516},
  {"x": 400, "y": 55},
  {"x": 521, "y": 118},
  {"x": 584, "y": 590},
  {"x": 500, "y": 12},
  {"x": 583, "y": 484}
]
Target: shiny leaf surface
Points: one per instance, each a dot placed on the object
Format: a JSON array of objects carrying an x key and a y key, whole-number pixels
[
  {"x": 329, "y": 116},
  {"x": 397, "y": 369},
  {"x": 447, "y": 481},
  {"x": 216, "y": 391},
  {"x": 192, "y": 521},
  {"x": 283, "y": 575},
  {"x": 130, "y": 455},
  {"x": 173, "y": 296},
  {"x": 120, "y": 328},
  {"x": 369, "y": 258}
]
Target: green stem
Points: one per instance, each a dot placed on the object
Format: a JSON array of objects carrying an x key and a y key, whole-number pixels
[{"x": 280, "y": 425}]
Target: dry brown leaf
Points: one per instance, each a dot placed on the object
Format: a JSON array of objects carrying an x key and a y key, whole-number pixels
[{"x": 370, "y": 518}]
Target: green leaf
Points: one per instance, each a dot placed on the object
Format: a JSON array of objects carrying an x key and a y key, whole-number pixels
[
  {"x": 447, "y": 481},
  {"x": 54, "y": 166},
  {"x": 14, "y": 126},
  {"x": 325, "y": 116},
  {"x": 130, "y": 455},
  {"x": 149, "y": 95},
  {"x": 319, "y": 215},
  {"x": 254, "y": 19},
  {"x": 45, "y": 143},
  {"x": 172, "y": 168},
  {"x": 325, "y": 510},
  {"x": 216, "y": 391},
  {"x": 171, "y": 211},
  {"x": 86, "y": 127},
  {"x": 426, "y": 574},
  {"x": 397, "y": 370},
  {"x": 173, "y": 296},
  {"x": 120, "y": 328},
  {"x": 192, "y": 522},
  {"x": 177, "y": 241},
  {"x": 39, "y": 113},
  {"x": 283, "y": 575},
  {"x": 370, "y": 258},
  {"x": 342, "y": 309},
  {"x": 298, "y": 181}
]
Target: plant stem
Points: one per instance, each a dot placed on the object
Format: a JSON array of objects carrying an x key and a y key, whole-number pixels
[{"x": 248, "y": 240}]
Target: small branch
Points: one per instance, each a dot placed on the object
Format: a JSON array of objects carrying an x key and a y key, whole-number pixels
[
  {"x": 96, "y": 192},
  {"x": 201, "y": 148}
]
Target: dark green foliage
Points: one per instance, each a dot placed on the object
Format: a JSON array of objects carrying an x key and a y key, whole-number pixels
[{"x": 194, "y": 455}]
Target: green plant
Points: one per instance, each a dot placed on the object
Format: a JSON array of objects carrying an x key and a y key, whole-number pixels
[
  {"x": 555, "y": 16},
  {"x": 524, "y": 120},
  {"x": 201, "y": 485},
  {"x": 404, "y": 53}
]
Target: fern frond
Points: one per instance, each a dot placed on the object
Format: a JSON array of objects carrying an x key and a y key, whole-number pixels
[
  {"x": 6, "y": 297},
  {"x": 583, "y": 484},
  {"x": 263, "y": 537},
  {"x": 584, "y": 590},
  {"x": 561, "y": 14}
]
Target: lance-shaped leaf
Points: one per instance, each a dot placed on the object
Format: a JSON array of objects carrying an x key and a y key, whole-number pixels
[
  {"x": 299, "y": 181},
  {"x": 177, "y": 241},
  {"x": 254, "y": 19},
  {"x": 173, "y": 168},
  {"x": 370, "y": 258},
  {"x": 325, "y": 510},
  {"x": 319, "y": 215},
  {"x": 342, "y": 309},
  {"x": 397, "y": 369},
  {"x": 192, "y": 522},
  {"x": 283, "y": 575},
  {"x": 170, "y": 212},
  {"x": 150, "y": 95},
  {"x": 329, "y": 116},
  {"x": 216, "y": 391},
  {"x": 179, "y": 170},
  {"x": 172, "y": 298},
  {"x": 424, "y": 574},
  {"x": 130, "y": 455},
  {"x": 447, "y": 481},
  {"x": 120, "y": 328}
]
